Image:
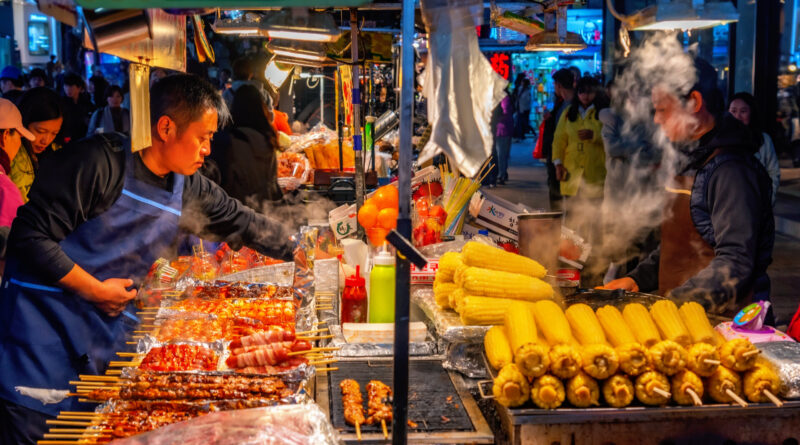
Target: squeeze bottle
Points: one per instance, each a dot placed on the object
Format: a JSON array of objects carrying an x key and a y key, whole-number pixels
[{"x": 381, "y": 289}]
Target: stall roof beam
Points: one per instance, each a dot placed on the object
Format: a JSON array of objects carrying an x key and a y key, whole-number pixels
[{"x": 224, "y": 4}]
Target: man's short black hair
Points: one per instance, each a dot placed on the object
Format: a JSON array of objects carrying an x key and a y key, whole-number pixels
[
  {"x": 73, "y": 79},
  {"x": 242, "y": 69},
  {"x": 38, "y": 72},
  {"x": 706, "y": 85},
  {"x": 184, "y": 98},
  {"x": 565, "y": 78},
  {"x": 111, "y": 89}
]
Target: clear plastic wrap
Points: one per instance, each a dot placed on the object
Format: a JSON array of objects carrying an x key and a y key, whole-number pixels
[
  {"x": 148, "y": 344},
  {"x": 466, "y": 358},
  {"x": 286, "y": 425},
  {"x": 785, "y": 356},
  {"x": 428, "y": 347},
  {"x": 280, "y": 274},
  {"x": 447, "y": 324}
]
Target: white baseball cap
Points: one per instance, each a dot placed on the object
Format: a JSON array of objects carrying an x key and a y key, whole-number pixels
[{"x": 10, "y": 117}]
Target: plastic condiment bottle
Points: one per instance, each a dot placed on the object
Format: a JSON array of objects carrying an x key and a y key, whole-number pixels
[
  {"x": 354, "y": 299},
  {"x": 381, "y": 289}
]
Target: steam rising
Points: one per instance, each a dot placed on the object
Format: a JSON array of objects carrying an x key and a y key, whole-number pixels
[{"x": 634, "y": 192}]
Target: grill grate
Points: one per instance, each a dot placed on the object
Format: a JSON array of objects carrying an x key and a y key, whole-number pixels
[{"x": 429, "y": 389}]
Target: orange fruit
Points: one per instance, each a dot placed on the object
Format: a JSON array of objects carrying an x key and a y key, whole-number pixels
[
  {"x": 386, "y": 197},
  {"x": 368, "y": 216},
  {"x": 377, "y": 236},
  {"x": 387, "y": 218}
]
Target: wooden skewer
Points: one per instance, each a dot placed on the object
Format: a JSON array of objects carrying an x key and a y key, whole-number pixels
[
  {"x": 148, "y": 326},
  {"x": 322, "y": 362},
  {"x": 317, "y": 323},
  {"x": 62, "y": 417},
  {"x": 327, "y": 369},
  {"x": 89, "y": 383},
  {"x": 123, "y": 364},
  {"x": 137, "y": 336},
  {"x": 111, "y": 372},
  {"x": 78, "y": 430},
  {"x": 151, "y": 308},
  {"x": 61, "y": 442},
  {"x": 313, "y": 331},
  {"x": 91, "y": 401},
  {"x": 324, "y": 308},
  {"x": 100, "y": 378},
  {"x": 662, "y": 393},
  {"x": 64, "y": 436},
  {"x": 695, "y": 397},
  {"x": 82, "y": 413},
  {"x": 141, "y": 332},
  {"x": 68, "y": 423},
  {"x": 736, "y": 398},
  {"x": 131, "y": 342},
  {"x": 128, "y": 354},
  {"x": 383, "y": 427},
  {"x": 709, "y": 361},
  {"x": 321, "y": 337},
  {"x": 749, "y": 353},
  {"x": 358, "y": 431},
  {"x": 312, "y": 350},
  {"x": 772, "y": 398}
]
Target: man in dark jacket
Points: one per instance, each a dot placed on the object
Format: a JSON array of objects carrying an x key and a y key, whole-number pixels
[
  {"x": 718, "y": 232},
  {"x": 564, "y": 84}
]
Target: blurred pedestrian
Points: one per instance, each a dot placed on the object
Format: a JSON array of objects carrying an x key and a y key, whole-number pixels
[
  {"x": 523, "y": 108},
  {"x": 247, "y": 152},
  {"x": 563, "y": 80},
  {"x": 37, "y": 78},
  {"x": 77, "y": 108},
  {"x": 97, "y": 89},
  {"x": 111, "y": 117},
  {"x": 11, "y": 82},
  {"x": 503, "y": 116},
  {"x": 11, "y": 133},
  {"x": 743, "y": 107},
  {"x": 42, "y": 115}
]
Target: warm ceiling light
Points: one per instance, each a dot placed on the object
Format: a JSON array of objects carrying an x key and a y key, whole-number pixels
[
  {"x": 301, "y": 24},
  {"x": 236, "y": 27},
  {"x": 683, "y": 15},
  {"x": 298, "y": 50},
  {"x": 275, "y": 75},
  {"x": 550, "y": 41}
]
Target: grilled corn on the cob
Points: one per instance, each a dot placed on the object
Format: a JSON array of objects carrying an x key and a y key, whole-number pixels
[
  {"x": 646, "y": 385},
  {"x": 684, "y": 382},
  {"x": 618, "y": 391},
  {"x": 480, "y": 255},
  {"x": 448, "y": 264},
  {"x": 585, "y": 326},
  {"x": 483, "y": 311},
  {"x": 565, "y": 361},
  {"x": 553, "y": 323},
  {"x": 547, "y": 392},
  {"x": 722, "y": 380},
  {"x": 703, "y": 359},
  {"x": 498, "y": 350},
  {"x": 510, "y": 387},
  {"x": 499, "y": 284},
  {"x": 599, "y": 361},
  {"x": 760, "y": 379},
  {"x": 632, "y": 358},
  {"x": 583, "y": 391},
  {"x": 441, "y": 293},
  {"x": 617, "y": 331},
  {"x": 641, "y": 324},
  {"x": 669, "y": 322},
  {"x": 738, "y": 354},
  {"x": 668, "y": 357},
  {"x": 695, "y": 318}
]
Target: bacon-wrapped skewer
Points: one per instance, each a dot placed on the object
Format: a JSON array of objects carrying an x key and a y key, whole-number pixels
[
  {"x": 379, "y": 408},
  {"x": 353, "y": 404},
  {"x": 273, "y": 335},
  {"x": 266, "y": 355},
  {"x": 294, "y": 346},
  {"x": 292, "y": 363}
]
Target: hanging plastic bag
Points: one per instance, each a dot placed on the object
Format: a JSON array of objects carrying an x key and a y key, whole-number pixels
[{"x": 461, "y": 87}]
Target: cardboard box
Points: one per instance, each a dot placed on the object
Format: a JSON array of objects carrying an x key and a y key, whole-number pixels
[
  {"x": 471, "y": 230},
  {"x": 501, "y": 216}
]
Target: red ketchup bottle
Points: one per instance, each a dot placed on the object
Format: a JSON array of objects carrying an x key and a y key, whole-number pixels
[{"x": 354, "y": 299}]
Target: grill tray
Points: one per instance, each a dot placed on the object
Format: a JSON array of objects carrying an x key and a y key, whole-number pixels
[{"x": 429, "y": 387}]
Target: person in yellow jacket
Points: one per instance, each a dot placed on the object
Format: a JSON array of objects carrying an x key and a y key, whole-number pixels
[
  {"x": 580, "y": 161},
  {"x": 578, "y": 146}
]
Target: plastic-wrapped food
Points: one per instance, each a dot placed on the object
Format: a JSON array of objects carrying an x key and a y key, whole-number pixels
[
  {"x": 181, "y": 355},
  {"x": 785, "y": 359},
  {"x": 285, "y": 425}
]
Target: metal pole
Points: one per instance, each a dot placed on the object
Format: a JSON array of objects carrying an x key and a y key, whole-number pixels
[
  {"x": 322, "y": 99},
  {"x": 403, "y": 270},
  {"x": 356, "y": 130}
]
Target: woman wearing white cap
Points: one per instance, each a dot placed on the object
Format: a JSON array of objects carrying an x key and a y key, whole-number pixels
[{"x": 11, "y": 133}]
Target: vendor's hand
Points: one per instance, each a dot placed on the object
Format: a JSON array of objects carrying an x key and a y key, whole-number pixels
[
  {"x": 561, "y": 173},
  {"x": 625, "y": 283},
  {"x": 585, "y": 135},
  {"x": 113, "y": 295}
]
